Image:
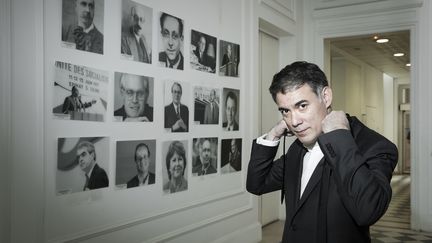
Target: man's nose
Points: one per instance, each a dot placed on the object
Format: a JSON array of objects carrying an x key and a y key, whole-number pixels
[{"x": 295, "y": 119}]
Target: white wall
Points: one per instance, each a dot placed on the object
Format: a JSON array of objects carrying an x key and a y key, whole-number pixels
[
  {"x": 389, "y": 109},
  {"x": 226, "y": 213}
]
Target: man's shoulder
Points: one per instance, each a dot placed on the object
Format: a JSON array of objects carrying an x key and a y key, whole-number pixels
[
  {"x": 119, "y": 112},
  {"x": 162, "y": 56}
]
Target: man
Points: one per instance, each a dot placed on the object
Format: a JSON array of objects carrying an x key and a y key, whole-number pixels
[
  {"x": 234, "y": 158},
  {"x": 84, "y": 34},
  {"x": 133, "y": 41},
  {"x": 134, "y": 91},
  {"x": 228, "y": 62},
  {"x": 142, "y": 162},
  {"x": 201, "y": 52},
  {"x": 203, "y": 163},
  {"x": 335, "y": 176},
  {"x": 176, "y": 114},
  {"x": 172, "y": 38},
  {"x": 73, "y": 103},
  {"x": 96, "y": 177},
  {"x": 230, "y": 111},
  {"x": 211, "y": 110}
]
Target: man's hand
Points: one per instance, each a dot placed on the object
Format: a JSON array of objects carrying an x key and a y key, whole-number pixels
[
  {"x": 179, "y": 124},
  {"x": 277, "y": 131},
  {"x": 335, "y": 120},
  {"x": 137, "y": 119}
]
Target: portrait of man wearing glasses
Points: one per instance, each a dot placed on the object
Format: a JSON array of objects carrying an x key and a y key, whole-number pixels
[
  {"x": 171, "y": 41},
  {"x": 134, "y": 93}
]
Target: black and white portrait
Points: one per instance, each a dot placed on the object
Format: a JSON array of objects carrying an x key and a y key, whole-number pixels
[
  {"x": 82, "y": 164},
  {"x": 231, "y": 155},
  {"x": 135, "y": 163},
  {"x": 230, "y": 109},
  {"x": 176, "y": 112},
  {"x": 203, "y": 52},
  {"x": 133, "y": 98},
  {"x": 83, "y": 24},
  {"x": 136, "y": 32},
  {"x": 171, "y": 41},
  {"x": 174, "y": 166},
  {"x": 204, "y": 158},
  {"x": 80, "y": 93},
  {"x": 229, "y": 59},
  {"x": 206, "y": 101}
]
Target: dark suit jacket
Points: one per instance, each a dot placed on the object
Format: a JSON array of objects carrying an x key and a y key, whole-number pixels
[
  {"x": 235, "y": 126},
  {"x": 92, "y": 41},
  {"x": 98, "y": 178},
  {"x": 140, "y": 51},
  {"x": 171, "y": 117},
  {"x": 148, "y": 112},
  {"x": 205, "y": 60},
  {"x": 163, "y": 60},
  {"x": 198, "y": 168},
  {"x": 348, "y": 191},
  {"x": 135, "y": 182},
  {"x": 209, "y": 117}
]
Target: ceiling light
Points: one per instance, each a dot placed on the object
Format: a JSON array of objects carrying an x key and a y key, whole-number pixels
[
  {"x": 408, "y": 64},
  {"x": 382, "y": 40},
  {"x": 399, "y": 54}
]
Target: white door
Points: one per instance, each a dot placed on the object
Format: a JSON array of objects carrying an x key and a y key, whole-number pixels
[{"x": 269, "y": 65}]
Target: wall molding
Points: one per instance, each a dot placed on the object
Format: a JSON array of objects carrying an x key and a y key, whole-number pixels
[
  {"x": 99, "y": 231},
  {"x": 286, "y": 8}
]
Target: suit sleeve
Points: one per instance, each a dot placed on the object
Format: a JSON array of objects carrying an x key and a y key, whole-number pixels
[
  {"x": 264, "y": 173},
  {"x": 362, "y": 176}
]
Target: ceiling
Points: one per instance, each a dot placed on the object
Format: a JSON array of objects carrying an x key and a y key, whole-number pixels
[{"x": 377, "y": 55}]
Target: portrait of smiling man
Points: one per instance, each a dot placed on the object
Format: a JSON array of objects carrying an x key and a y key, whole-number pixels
[
  {"x": 335, "y": 176},
  {"x": 133, "y": 96}
]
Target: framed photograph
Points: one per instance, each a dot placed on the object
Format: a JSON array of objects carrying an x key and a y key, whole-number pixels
[
  {"x": 206, "y": 101},
  {"x": 83, "y": 25},
  {"x": 231, "y": 160},
  {"x": 135, "y": 163},
  {"x": 229, "y": 59},
  {"x": 174, "y": 166},
  {"x": 204, "y": 157},
  {"x": 176, "y": 112},
  {"x": 203, "y": 52},
  {"x": 133, "y": 98},
  {"x": 230, "y": 109},
  {"x": 82, "y": 164},
  {"x": 136, "y": 32},
  {"x": 80, "y": 93},
  {"x": 171, "y": 38}
]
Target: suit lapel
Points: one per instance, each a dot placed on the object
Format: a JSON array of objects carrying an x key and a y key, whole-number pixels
[
  {"x": 293, "y": 173},
  {"x": 313, "y": 181}
]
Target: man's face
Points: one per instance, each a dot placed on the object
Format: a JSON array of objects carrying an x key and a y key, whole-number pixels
[
  {"x": 304, "y": 112},
  {"x": 172, "y": 37},
  {"x": 142, "y": 160},
  {"x": 85, "y": 12},
  {"x": 176, "y": 166},
  {"x": 85, "y": 159},
  {"x": 230, "y": 110},
  {"x": 137, "y": 20},
  {"x": 233, "y": 146},
  {"x": 134, "y": 92},
  {"x": 202, "y": 44},
  {"x": 229, "y": 50},
  {"x": 205, "y": 152},
  {"x": 176, "y": 92},
  {"x": 212, "y": 95}
]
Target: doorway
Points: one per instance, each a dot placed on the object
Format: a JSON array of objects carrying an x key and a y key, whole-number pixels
[{"x": 269, "y": 63}]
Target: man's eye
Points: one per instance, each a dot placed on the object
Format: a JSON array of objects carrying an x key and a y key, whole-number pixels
[
  {"x": 283, "y": 111},
  {"x": 303, "y": 106}
]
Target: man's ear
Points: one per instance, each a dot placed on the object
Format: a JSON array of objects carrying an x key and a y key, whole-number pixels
[{"x": 327, "y": 96}]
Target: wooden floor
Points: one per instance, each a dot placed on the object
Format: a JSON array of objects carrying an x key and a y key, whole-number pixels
[{"x": 394, "y": 226}]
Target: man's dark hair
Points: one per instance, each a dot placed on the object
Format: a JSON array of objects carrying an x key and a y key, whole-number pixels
[
  {"x": 296, "y": 75},
  {"x": 175, "y": 147},
  {"x": 165, "y": 15},
  {"x": 139, "y": 146}
]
